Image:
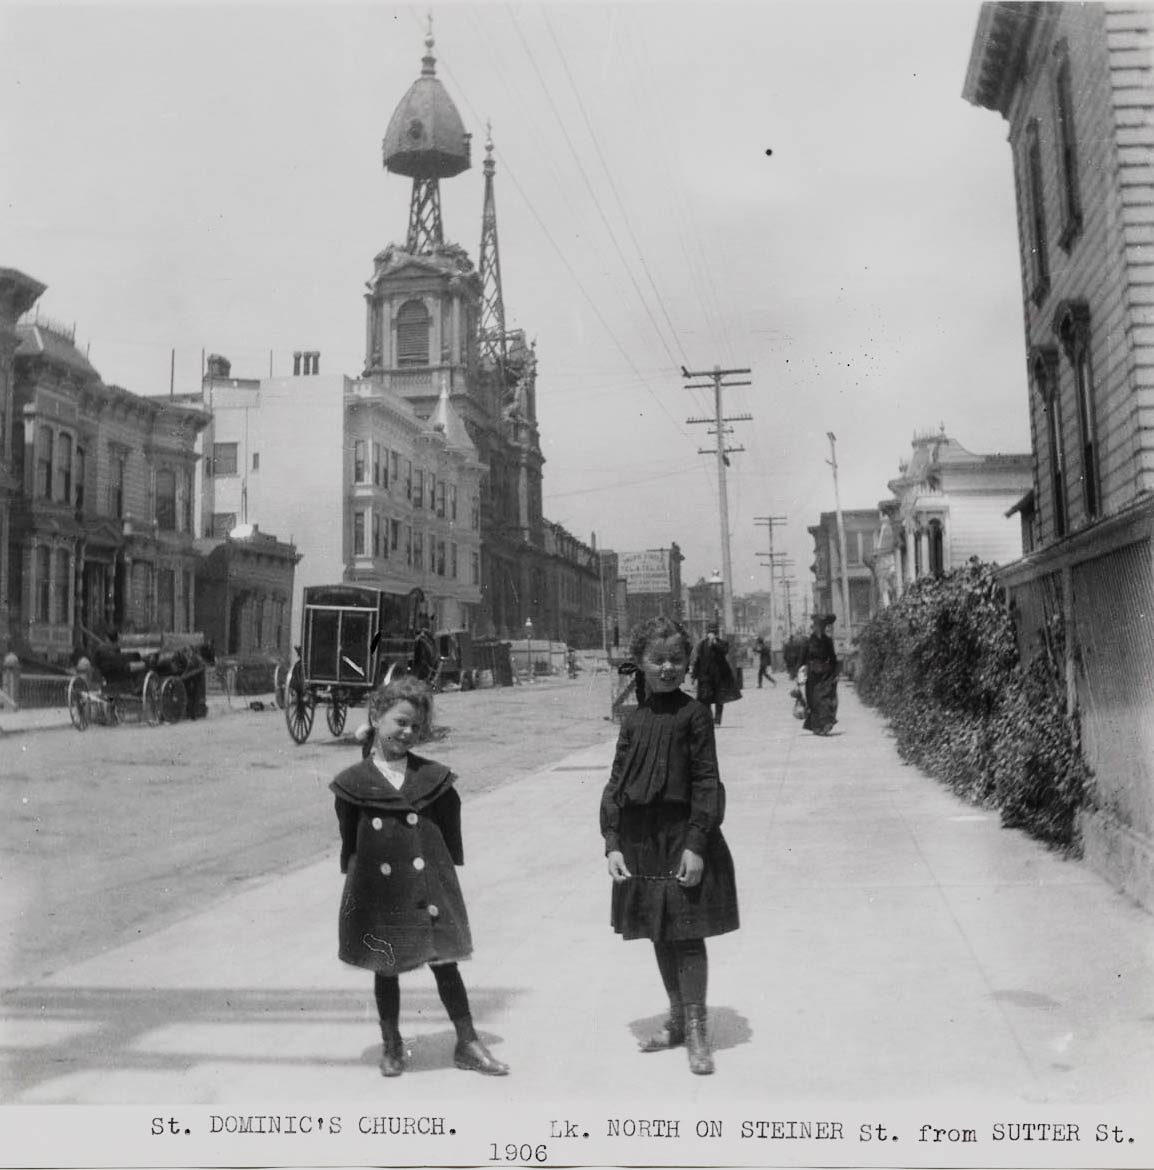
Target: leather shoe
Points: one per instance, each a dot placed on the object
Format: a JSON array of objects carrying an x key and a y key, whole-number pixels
[
  {"x": 473, "y": 1056},
  {"x": 392, "y": 1057},
  {"x": 671, "y": 1035}
]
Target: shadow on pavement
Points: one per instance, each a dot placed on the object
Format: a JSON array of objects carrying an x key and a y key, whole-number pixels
[
  {"x": 727, "y": 1028},
  {"x": 50, "y": 1032}
]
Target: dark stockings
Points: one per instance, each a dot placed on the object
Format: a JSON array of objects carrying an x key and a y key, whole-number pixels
[
  {"x": 684, "y": 967},
  {"x": 450, "y": 987}
]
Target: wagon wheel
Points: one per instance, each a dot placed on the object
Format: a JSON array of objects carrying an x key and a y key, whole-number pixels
[
  {"x": 78, "y": 702},
  {"x": 299, "y": 705},
  {"x": 279, "y": 677},
  {"x": 337, "y": 713},
  {"x": 150, "y": 699},
  {"x": 173, "y": 700}
]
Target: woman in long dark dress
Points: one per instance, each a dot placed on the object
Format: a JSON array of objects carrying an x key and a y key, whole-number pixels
[
  {"x": 821, "y": 671},
  {"x": 661, "y": 814}
]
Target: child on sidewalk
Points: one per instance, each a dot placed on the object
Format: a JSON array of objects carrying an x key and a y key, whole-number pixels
[
  {"x": 400, "y": 823},
  {"x": 661, "y": 812}
]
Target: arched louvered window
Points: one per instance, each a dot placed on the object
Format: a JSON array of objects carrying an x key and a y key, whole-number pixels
[{"x": 413, "y": 334}]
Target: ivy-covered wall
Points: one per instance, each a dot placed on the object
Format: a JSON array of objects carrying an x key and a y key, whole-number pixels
[{"x": 942, "y": 665}]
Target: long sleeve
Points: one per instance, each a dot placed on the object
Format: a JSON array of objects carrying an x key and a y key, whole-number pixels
[
  {"x": 706, "y": 794},
  {"x": 446, "y": 812},
  {"x": 348, "y": 816},
  {"x": 610, "y": 809}
]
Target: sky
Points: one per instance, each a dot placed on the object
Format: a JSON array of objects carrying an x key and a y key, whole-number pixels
[{"x": 797, "y": 190}]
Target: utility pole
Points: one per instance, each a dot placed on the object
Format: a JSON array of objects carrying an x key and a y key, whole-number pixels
[
  {"x": 787, "y": 585},
  {"x": 770, "y": 522},
  {"x": 840, "y": 537},
  {"x": 722, "y": 452}
]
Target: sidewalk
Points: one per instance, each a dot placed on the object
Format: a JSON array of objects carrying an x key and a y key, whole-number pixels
[{"x": 896, "y": 944}]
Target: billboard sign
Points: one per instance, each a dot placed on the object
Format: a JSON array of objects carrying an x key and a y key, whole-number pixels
[{"x": 645, "y": 572}]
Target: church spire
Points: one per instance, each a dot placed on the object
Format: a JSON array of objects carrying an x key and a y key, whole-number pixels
[{"x": 492, "y": 325}]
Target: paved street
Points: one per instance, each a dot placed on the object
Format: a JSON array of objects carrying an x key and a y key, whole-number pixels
[{"x": 896, "y": 945}]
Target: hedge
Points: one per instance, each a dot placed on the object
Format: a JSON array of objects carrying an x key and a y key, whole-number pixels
[{"x": 942, "y": 665}]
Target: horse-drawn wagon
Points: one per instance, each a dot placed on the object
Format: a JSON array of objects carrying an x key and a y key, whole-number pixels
[{"x": 353, "y": 637}]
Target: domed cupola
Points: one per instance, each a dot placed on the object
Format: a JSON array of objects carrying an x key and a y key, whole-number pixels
[{"x": 426, "y": 140}]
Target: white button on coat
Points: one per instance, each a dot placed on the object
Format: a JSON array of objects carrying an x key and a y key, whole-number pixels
[
  {"x": 386, "y": 868},
  {"x": 418, "y": 863},
  {"x": 378, "y": 823},
  {"x": 412, "y": 818},
  {"x": 433, "y": 911}
]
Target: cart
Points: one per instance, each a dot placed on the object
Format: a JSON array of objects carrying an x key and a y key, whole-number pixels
[
  {"x": 143, "y": 678},
  {"x": 353, "y": 638}
]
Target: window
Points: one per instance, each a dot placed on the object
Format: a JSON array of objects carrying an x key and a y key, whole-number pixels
[
  {"x": 359, "y": 461},
  {"x": 413, "y": 334},
  {"x": 116, "y": 463},
  {"x": 189, "y": 601},
  {"x": 409, "y": 480},
  {"x": 43, "y": 584},
  {"x": 60, "y": 587},
  {"x": 141, "y": 585},
  {"x": 358, "y": 534},
  {"x": 475, "y": 513},
  {"x": 452, "y": 501},
  {"x": 1071, "y": 199},
  {"x": 44, "y": 463},
  {"x": 441, "y": 498},
  {"x": 166, "y": 502},
  {"x": 64, "y": 469},
  {"x": 1044, "y": 369},
  {"x": 1073, "y": 328},
  {"x": 394, "y": 536},
  {"x": 166, "y": 599},
  {"x": 433, "y": 493},
  {"x": 81, "y": 477},
  {"x": 222, "y": 524},
  {"x": 394, "y": 468},
  {"x": 223, "y": 459},
  {"x": 256, "y": 461},
  {"x": 418, "y": 549},
  {"x": 440, "y": 567},
  {"x": 1036, "y": 216},
  {"x": 418, "y": 496},
  {"x": 476, "y": 568},
  {"x": 409, "y": 545},
  {"x": 377, "y": 464},
  {"x": 376, "y": 534},
  {"x": 258, "y": 624},
  {"x": 453, "y": 561},
  {"x": 187, "y": 503}
]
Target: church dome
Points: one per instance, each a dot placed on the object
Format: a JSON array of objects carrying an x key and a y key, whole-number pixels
[{"x": 426, "y": 138}]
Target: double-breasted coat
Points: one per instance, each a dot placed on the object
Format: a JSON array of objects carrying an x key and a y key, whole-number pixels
[{"x": 402, "y": 904}]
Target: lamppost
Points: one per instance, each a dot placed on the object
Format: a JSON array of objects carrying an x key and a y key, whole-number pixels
[
  {"x": 716, "y": 584},
  {"x": 529, "y": 645}
]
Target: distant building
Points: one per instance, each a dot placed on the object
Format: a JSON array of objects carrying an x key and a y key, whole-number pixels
[
  {"x": 652, "y": 585},
  {"x": 948, "y": 506},
  {"x": 97, "y": 505},
  {"x": 1075, "y": 85},
  {"x": 860, "y": 528}
]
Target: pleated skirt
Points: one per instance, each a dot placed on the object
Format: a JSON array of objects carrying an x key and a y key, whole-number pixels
[{"x": 651, "y": 903}]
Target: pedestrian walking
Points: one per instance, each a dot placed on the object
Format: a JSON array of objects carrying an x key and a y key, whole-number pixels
[
  {"x": 402, "y": 907},
  {"x": 821, "y": 674},
  {"x": 661, "y": 814},
  {"x": 711, "y": 671},
  {"x": 764, "y": 661}
]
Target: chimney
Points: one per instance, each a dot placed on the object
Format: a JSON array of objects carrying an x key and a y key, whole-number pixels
[
  {"x": 217, "y": 366},
  {"x": 297, "y": 364},
  {"x": 316, "y": 361}
]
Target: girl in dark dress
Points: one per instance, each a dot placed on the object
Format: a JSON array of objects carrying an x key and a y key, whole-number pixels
[
  {"x": 661, "y": 812},
  {"x": 400, "y": 822}
]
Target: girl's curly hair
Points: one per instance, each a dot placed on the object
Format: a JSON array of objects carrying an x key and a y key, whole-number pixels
[
  {"x": 405, "y": 689},
  {"x": 654, "y": 630}
]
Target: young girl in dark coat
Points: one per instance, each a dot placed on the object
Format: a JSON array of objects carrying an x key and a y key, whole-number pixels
[
  {"x": 400, "y": 823},
  {"x": 661, "y": 813}
]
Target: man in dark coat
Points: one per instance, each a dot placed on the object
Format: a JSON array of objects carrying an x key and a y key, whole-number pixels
[
  {"x": 716, "y": 684},
  {"x": 821, "y": 673},
  {"x": 764, "y": 659}
]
